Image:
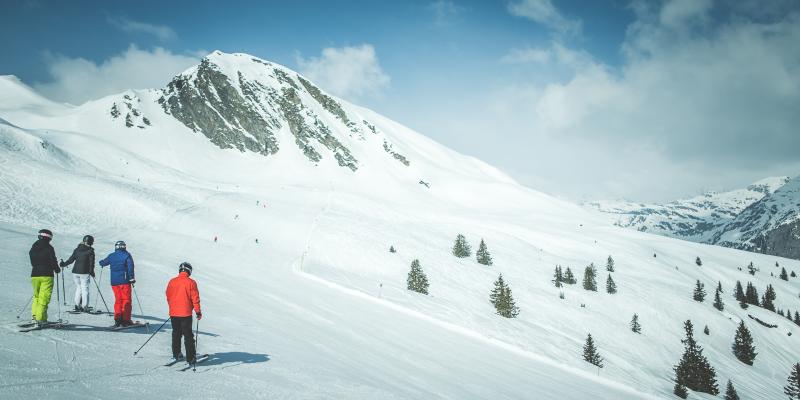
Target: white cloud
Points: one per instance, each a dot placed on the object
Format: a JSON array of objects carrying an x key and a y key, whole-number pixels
[
  {"x": 348, "y": 72},
  {"x": 445, "y": 12},
  {"x": 162, "y": 32},
  {"x": 545, "y": 13},
  {"x": 527, "y": 55},
  {"x": 76, "y": 80}
]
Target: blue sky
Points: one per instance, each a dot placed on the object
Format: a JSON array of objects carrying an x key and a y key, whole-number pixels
[{"x": 581, "y": 99}]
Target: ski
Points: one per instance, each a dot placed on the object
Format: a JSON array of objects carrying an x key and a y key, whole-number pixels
[
  {"x": 136, "y": 324},
  {"x": 26, "y": 324},
  {"x": 171, "y": 363},
  {"x": 49, "y": 325},
  {"x": 199, "y": 359},
  {"x": 84, "y": 312}
]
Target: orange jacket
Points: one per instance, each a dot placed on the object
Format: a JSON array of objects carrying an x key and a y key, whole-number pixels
[{"x": 183, "y": 296}]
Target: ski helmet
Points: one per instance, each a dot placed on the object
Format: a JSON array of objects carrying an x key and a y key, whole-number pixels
[
  {"x": 45, "y": 234},
  {"x": 185, "y": 267},
  {"x": 88, "y": 239},
  {"x": 120, "y": 245}
]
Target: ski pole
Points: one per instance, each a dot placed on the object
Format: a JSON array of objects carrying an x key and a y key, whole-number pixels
[
  {"x": 100, "y": 293},
  {"x": 147, "y": 326},
  {"x": 25, "y": 307},
  {"x": 58, "y": 298},
  {"x": 98, "y": 289},
  {"x": 196, "y": 339},
  {"x": 64, "y": 288},
  {"x": 151, "y": 336}
]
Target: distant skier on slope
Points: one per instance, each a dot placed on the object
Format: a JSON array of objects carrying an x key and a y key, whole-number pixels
[
  {"x": 43, "y": 265},
  {"x": 183, "y": 297},
  {"x": 83, "y": 257},
  {"x": 122, "y": 277}
]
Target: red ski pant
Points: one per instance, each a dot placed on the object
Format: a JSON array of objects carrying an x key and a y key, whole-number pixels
[{"x": 122, "y": 302}]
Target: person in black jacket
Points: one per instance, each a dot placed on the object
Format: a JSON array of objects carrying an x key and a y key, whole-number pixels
[
  {"x": 43, "y": 264},
  {"x": 83, "y": 257}
]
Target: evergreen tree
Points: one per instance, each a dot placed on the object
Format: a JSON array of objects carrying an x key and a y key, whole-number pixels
[
  {"x": 718, "y": 304},
  {"x": 699, "y": 292},
  {"x": 502, "y": 299},
  {"x": 483, "y": 255},
  {"x": 569, "y": 277},
  {"x": 792, "y": 389},
  {"x": 793, "y": 275},
  {"x": 784, "y": 275},
  {"x": 751, "y": 295},
  {"x": 730, "y": 392},
  {"x": 698, "y": 262},
  {"x": 693, "y": 370},
  {"x": 797, "y": 318},
  {"x": 680, "y": 391},
  {"x": 611, "y": 287},
  {"x": 610, "y": 264},
  {"x": 589, "y": 278},
  {"x": 767, "y": 301},
  {"x": 392, "y": 250},
  {"x": 751, "y": 269},
  {"x": 590, "y": 353},
  {"x": 719, "y": 287},
  {"x": 706, "y": 331},
  {"x": 636, "y": 327},
  {"x": 738, "y": 292},
  {"x": 558, "y": 277},
  {"x": 417, "y": 281},
  {"x": 461, "y": 248},
  {"x": 742, "y": 346}
]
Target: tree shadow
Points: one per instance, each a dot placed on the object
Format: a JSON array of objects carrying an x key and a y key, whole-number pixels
[{"x": 235, "y": 357}]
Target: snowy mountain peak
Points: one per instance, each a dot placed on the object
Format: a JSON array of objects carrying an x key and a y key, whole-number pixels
[{"x": 769, "y": 185}]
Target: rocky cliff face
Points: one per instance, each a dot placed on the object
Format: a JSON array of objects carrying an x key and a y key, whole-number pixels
[{"x": 242, "y": 102}]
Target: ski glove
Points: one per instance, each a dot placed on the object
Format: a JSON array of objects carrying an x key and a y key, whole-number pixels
[
  {"x": 62, "y": 264},
  {"x": 91, "y": 274},
  {"x": 199, "y": 316},
  {"x": 132, "y": 281}
]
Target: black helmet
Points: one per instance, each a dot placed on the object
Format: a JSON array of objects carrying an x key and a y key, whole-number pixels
[
  {"x": 45, "y": 234},
  {"x": 88, "y": 240},
  {"x": 120, "y": 245},
  {"x": 185, "y": 267}
]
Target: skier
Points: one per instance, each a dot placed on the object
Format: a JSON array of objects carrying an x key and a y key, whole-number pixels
[
  {"x": 43, "y": 264},
  {"x": 83, "y": 257},
  {"x": 122, "y": 278},
  {"x": 183, "y": 297}
]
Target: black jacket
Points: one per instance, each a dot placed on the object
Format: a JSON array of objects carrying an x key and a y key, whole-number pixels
[
  {"x": 43, "y": 259},
  {"x": 83, "y": 257}
]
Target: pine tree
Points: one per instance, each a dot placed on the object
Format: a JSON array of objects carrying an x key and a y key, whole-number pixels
[
  {"x": 590, "y": 353},
  {"x": 610, "y": 264},
  {"x": 793, "y": 275},
  {"x": 742, "y": 346},
  {"x": 706, "y": 331},
  {"x": 611, "y": 287},
  {"x": 636, "y": 327},
  {"x": 569, "y": 277},
  {"x": 417, "y": 281},
  {"x": 589, "y": 278},
  {"x": 792, "y": 389},
  {"x": 693, "y": 370},
  {"x": 461, "y": 248},
  {"x": 751, "y": 295},
  {"x": 698, "y": 262},
  {"x": 502, "y": 299},
  {"x": 730, "y": 392},
  {"x": 797, "y": 318},
  {"x": 558, "y": 277},
  {"x": 680, "y": 391},
  {"x": 699, "y": 292},
  {"x": 767, "y": 301},
  {"x": 483, "y": 255},
  {"x": 718, "y": 304},
  {"x": 751, "y": 269},
  {"x": 392, "y": 250},
  {"x": 719, "y": 287},
  {"x": 784, "y": 275},
  {"x": 738, "y": 292}
]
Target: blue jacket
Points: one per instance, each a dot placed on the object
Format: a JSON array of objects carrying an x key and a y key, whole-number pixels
[{"x": 121, "y": 267}]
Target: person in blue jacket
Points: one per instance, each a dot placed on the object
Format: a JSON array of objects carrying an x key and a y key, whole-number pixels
[{"x": 122, "y": 277}]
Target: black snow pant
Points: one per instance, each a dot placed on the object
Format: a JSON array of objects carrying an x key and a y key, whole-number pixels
[{"x": 182, "y": 326}]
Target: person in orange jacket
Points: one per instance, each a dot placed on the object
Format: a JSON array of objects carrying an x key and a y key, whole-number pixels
[{"x": 183, "y": 297}]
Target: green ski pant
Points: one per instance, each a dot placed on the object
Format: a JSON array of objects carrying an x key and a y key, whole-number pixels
[{"x": 42, "y": 290}]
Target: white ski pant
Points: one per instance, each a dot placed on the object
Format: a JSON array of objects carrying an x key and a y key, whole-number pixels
[{"x": 81, "y": 289}]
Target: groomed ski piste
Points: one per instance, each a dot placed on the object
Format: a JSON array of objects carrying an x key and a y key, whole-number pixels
[{"x": 317, "y": 308}]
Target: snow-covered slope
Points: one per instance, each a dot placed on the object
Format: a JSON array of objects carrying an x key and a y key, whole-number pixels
[
  {"x": 696, "y": 219},
  {"x": 317, "y": 307}
]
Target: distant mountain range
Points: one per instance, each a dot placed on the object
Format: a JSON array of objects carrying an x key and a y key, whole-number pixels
[{"x": 764, "y": 217}]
